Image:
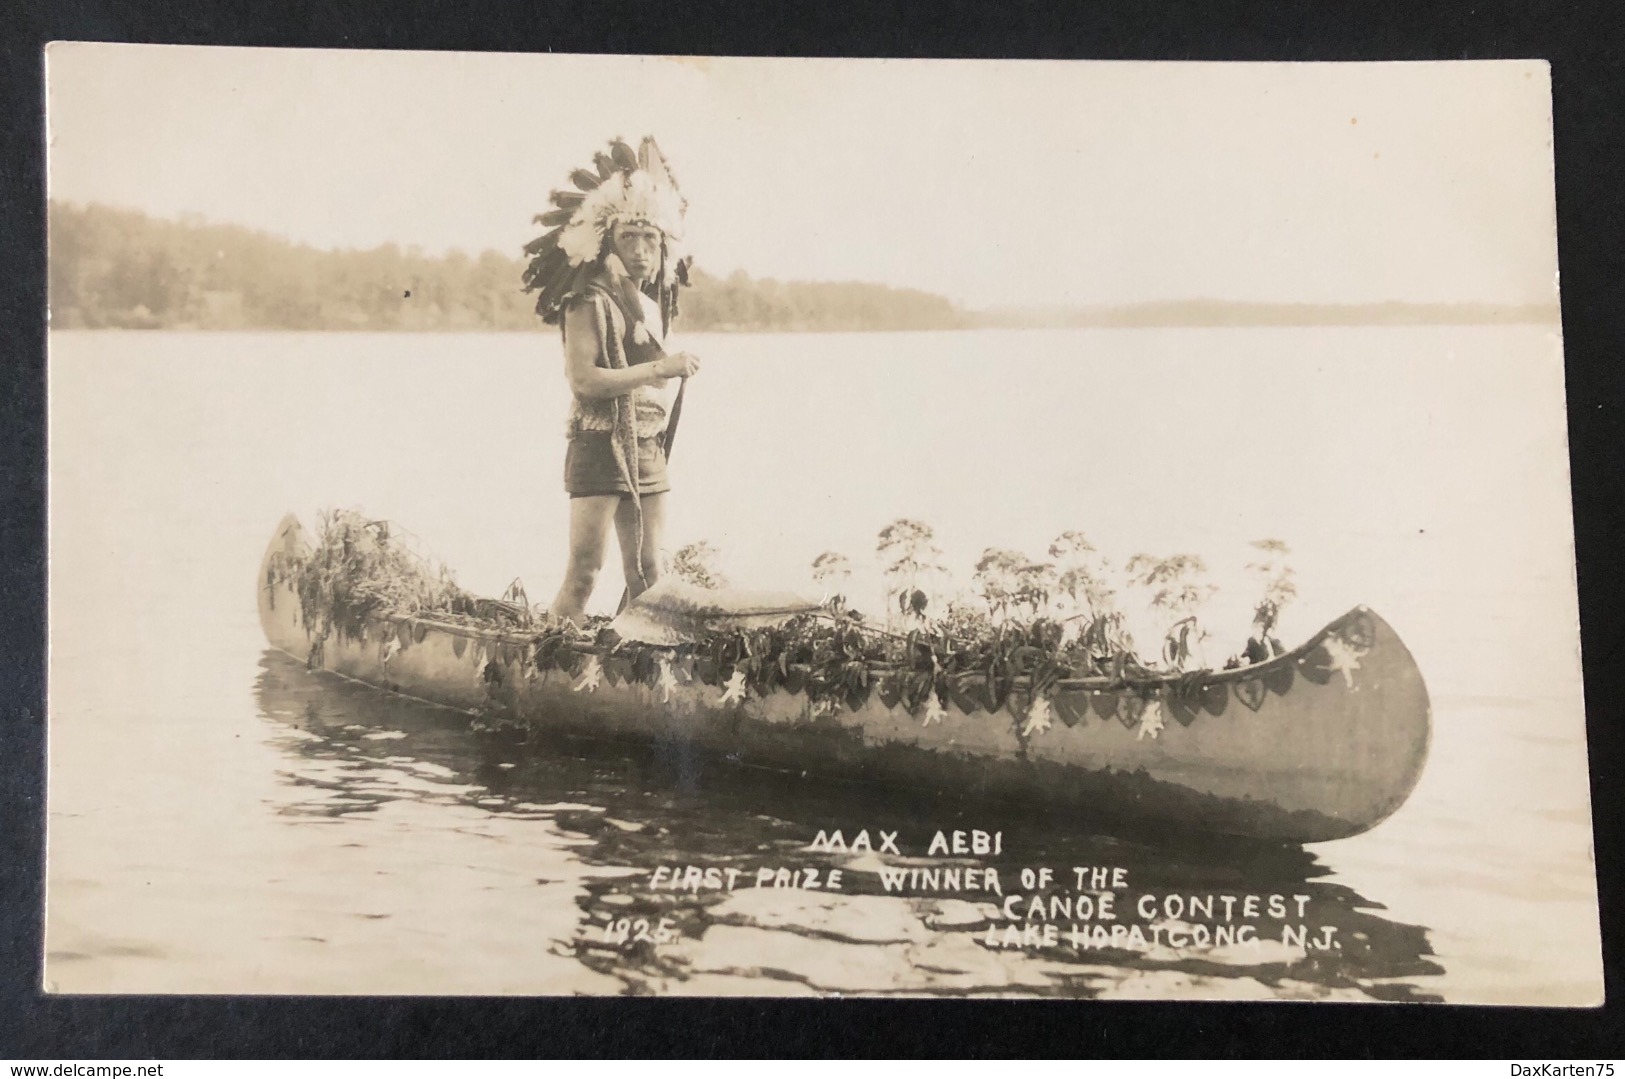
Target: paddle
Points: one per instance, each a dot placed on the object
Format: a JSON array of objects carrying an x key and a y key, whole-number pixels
[{"x": 631, "y": 304}]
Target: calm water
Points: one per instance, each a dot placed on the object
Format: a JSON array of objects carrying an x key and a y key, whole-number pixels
[{"x": 222, "y": 820}]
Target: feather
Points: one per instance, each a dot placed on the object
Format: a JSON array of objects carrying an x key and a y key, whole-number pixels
[
  {"x": 544, "y": 266},
  {"x": 544, "y": 241},
  {"x": 567, "y": 199},
  {"x": 584, "y": 179},
  {"x": 653, "y": 162},
  {"x": 553, "y": 312},
  {"x": 573, "y": 279},
  {"x": 625, "y": 159},
  {"x": 558, "y": 286},
  {"x": 605, "y": 165},
  {"x": 558, "y": 217}
]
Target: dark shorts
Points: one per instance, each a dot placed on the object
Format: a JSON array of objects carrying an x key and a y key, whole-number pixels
[{"x": 590, "y": 469}]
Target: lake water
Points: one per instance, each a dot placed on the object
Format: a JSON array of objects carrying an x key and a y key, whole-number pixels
[{"x": 221, "y": 820}]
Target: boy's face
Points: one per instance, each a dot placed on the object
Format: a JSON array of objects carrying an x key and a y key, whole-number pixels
[{"x": 638, "y": 247}]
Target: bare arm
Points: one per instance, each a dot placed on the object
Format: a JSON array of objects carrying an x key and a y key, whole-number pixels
[{"x": 588, "y": 380}]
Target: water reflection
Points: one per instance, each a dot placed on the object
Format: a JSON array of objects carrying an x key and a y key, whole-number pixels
[{"x": 631, "y": 810}]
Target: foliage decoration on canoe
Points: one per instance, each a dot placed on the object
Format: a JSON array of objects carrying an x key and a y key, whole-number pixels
[
  {"x": 362, "y": 576},
  {"x": 361, "y": 570},
  {"x": 1026, "y": 671},
  {"x": 1340, "y": 751}
]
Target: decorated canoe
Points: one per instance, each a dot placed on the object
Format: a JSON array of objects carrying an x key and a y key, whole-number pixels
[{"x": 1318, "y": 743}]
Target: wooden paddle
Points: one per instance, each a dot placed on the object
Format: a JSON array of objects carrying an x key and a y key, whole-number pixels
[{"x": 631, "y": 305}]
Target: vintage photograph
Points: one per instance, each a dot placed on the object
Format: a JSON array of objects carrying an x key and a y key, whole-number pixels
[{"x": 627, "y": 525}]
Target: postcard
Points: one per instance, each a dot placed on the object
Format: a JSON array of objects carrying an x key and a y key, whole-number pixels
[{"x": 635, "y": 525}]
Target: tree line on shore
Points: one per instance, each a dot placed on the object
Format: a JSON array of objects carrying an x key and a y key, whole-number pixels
[{"x": 116, "y": 268}]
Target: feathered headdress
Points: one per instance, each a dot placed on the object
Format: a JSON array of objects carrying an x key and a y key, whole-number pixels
[{"x": 623, "y": 186}]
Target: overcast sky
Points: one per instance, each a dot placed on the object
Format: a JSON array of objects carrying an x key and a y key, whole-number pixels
[{"x": 995, "y": 183}]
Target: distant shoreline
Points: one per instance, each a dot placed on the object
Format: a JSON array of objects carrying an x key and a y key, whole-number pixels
[
  {"x": 121, "y": 269},
  {"x": 1552, "y": 321},
  {"x": 1210, "y": 313}
]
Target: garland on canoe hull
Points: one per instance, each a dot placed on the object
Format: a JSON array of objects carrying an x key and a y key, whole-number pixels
[
  {"x": 1024, "y": 671},
  {"x": 361, "y": 584}
]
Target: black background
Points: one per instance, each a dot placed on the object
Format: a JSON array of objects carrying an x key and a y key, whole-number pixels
[{"x": 1588, "y": 76}]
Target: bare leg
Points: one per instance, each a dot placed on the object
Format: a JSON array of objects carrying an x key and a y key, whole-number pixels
[
  {"x": 589, "y": 530},
  {"x": 626, "y": 530}
]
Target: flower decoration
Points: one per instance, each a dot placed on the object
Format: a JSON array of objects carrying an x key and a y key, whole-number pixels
[
  {"x": 1150, "y": 721},
  {"x": 1038, "y": 718},
  {"x": 591, "y": 675},
  {"x": 1345, "y": 658},
  {"x": 734, "y": 691},
  {"x": 667, "y": 681}
]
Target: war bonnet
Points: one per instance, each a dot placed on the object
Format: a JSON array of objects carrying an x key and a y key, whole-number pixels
[{"x": 625, "y": 186}]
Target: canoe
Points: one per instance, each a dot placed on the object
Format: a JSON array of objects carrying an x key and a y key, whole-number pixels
[{"x": 1319, "y": 743}]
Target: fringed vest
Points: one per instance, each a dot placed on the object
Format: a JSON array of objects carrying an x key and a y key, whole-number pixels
[{"x": 620, "y": 346}]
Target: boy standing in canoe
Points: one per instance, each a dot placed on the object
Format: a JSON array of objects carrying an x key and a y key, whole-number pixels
[{"x": 609, "y": 274}]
